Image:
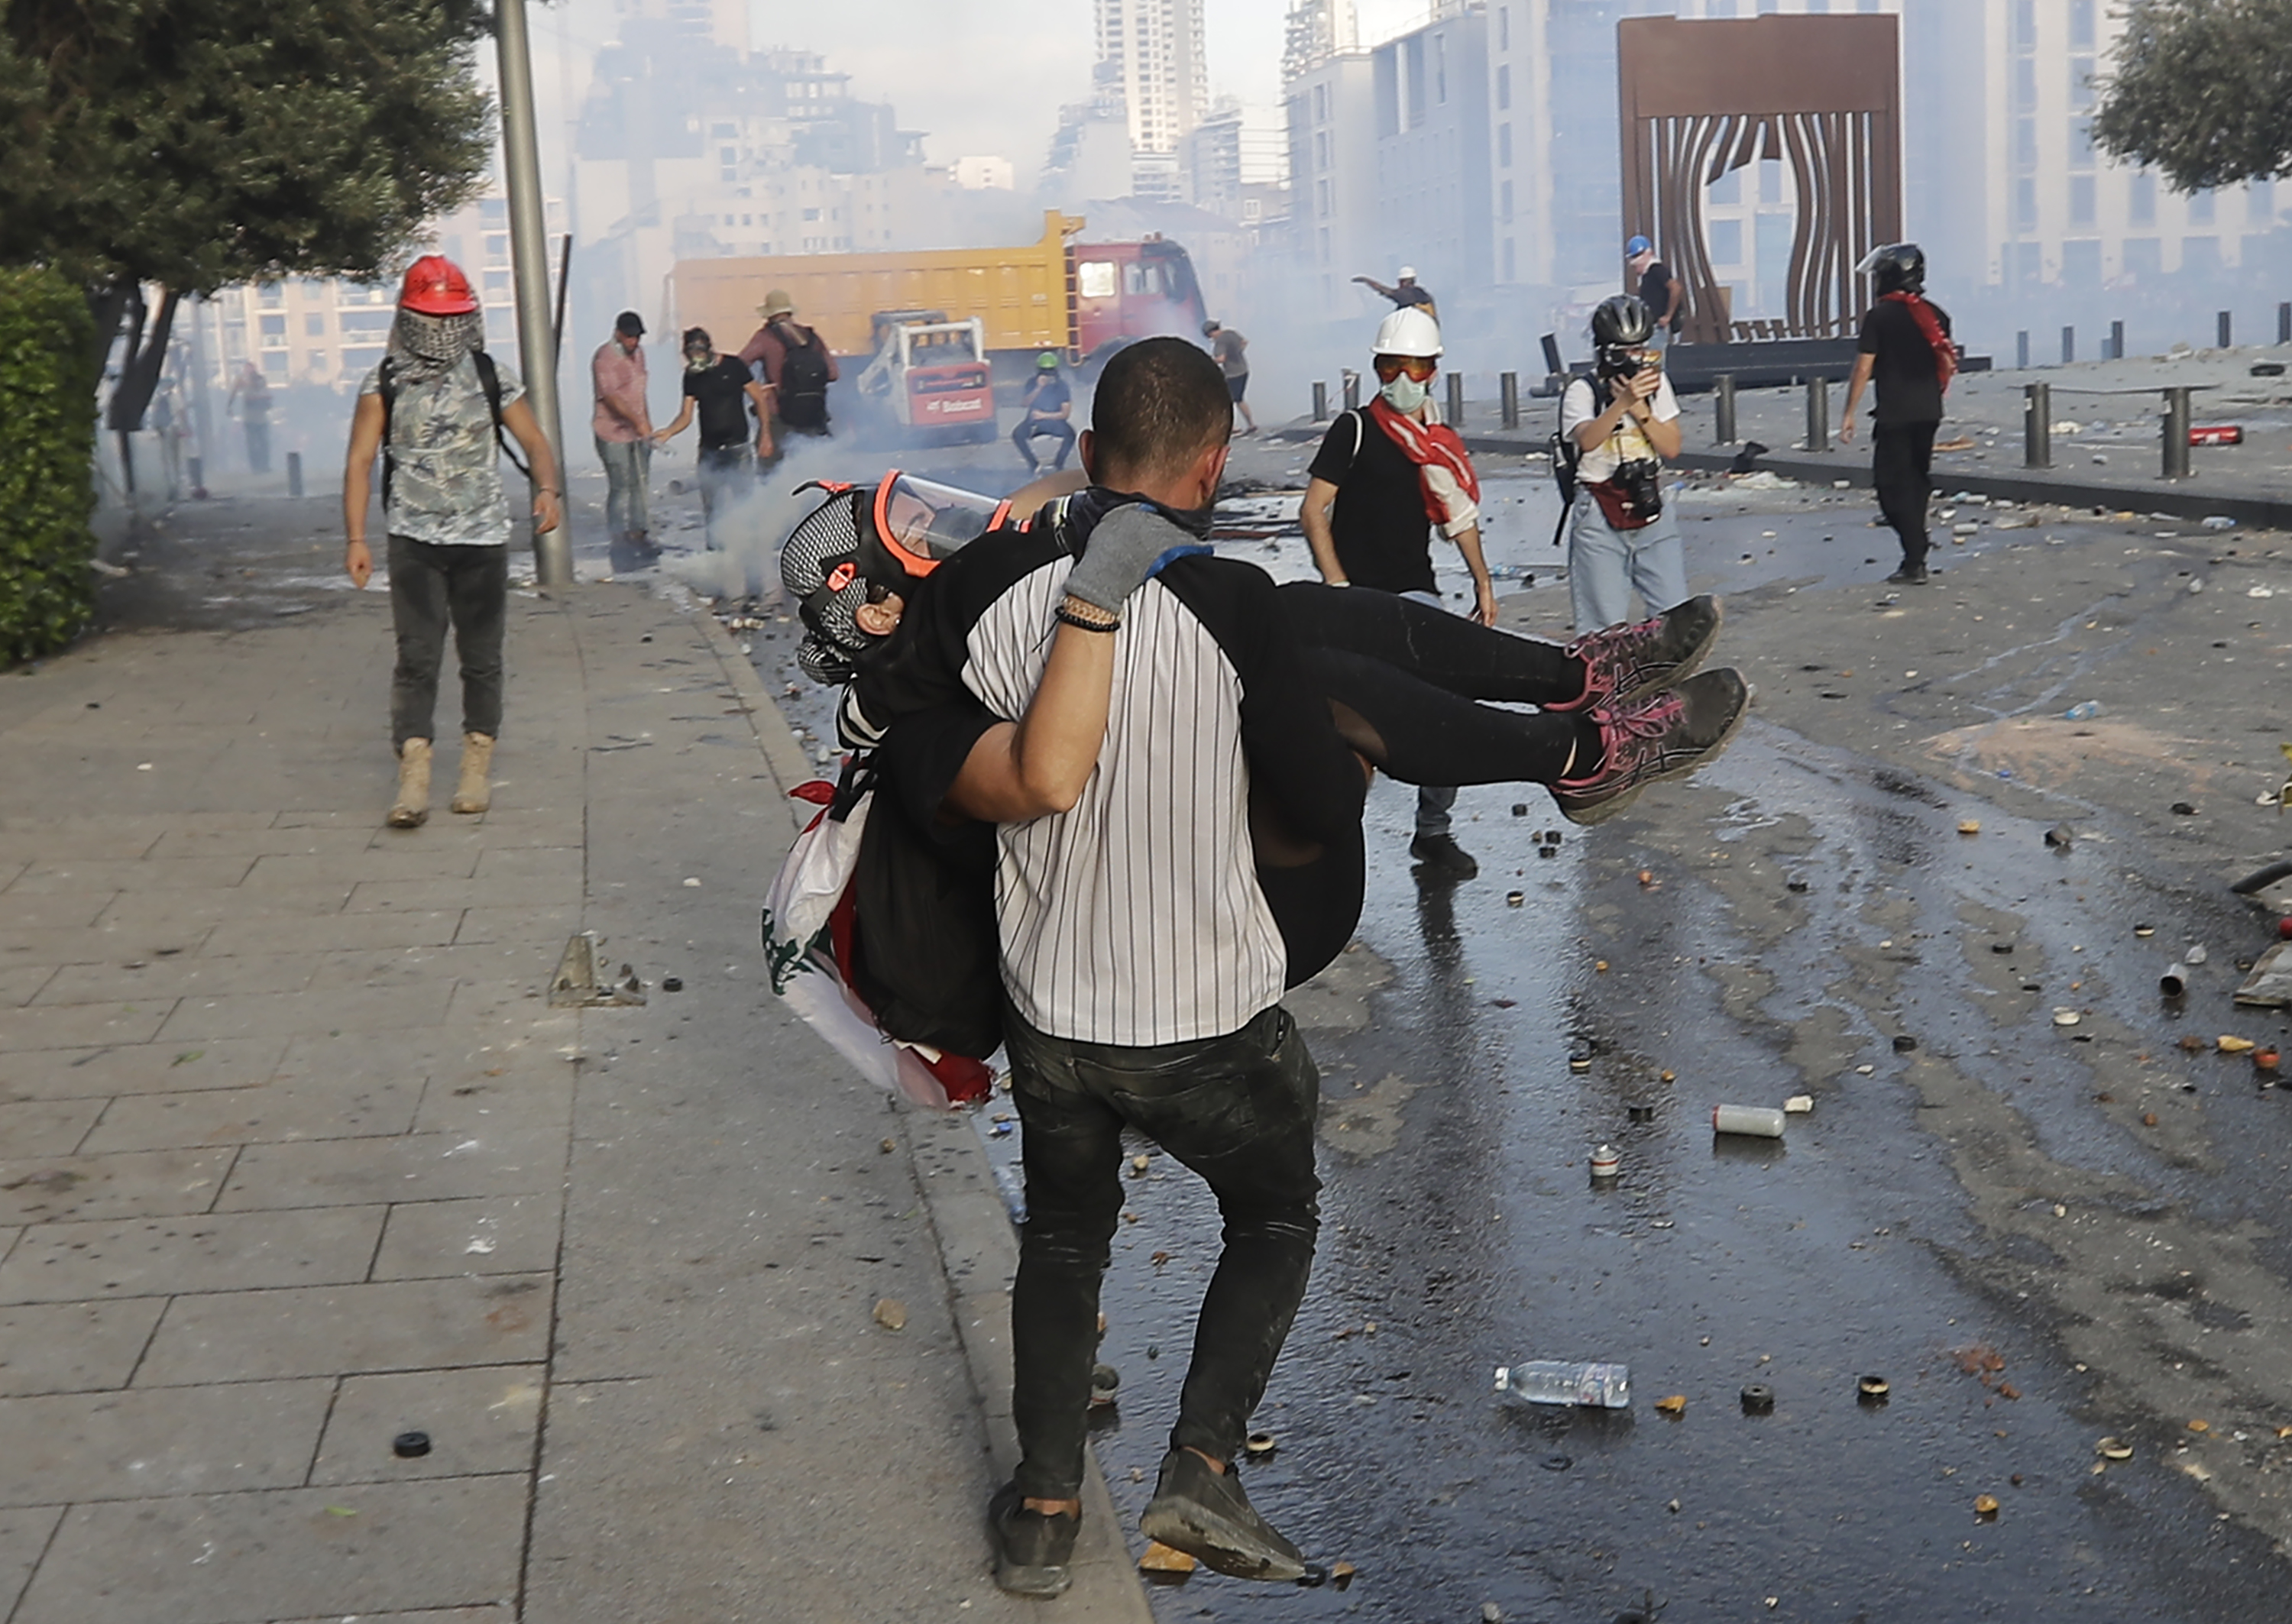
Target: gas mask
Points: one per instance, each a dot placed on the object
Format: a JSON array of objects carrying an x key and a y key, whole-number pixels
[{"x": 699, "y": 360}]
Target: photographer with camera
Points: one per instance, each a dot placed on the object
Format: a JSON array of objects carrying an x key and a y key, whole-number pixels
[{"x": 1615, "y": 428}]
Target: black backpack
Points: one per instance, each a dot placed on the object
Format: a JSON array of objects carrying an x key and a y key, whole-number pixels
[
  {"x": 1567, "y": 455},
  {"x": 803, "y": 382},
  {"x": 489, "y": 380}
]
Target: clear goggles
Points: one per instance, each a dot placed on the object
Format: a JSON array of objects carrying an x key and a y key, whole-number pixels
[{"x": 921, "y": 522}]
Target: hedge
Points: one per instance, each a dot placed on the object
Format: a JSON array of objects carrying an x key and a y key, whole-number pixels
[{"x": 48, "y": 377}]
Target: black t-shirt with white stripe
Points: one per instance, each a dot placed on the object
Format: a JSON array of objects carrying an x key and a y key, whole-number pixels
[{"x": 1136, "y": 917}]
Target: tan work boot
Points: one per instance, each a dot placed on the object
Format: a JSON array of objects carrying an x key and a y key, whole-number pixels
[
  {"x": 411, "y": 809},
  {"x": 475, "y": 792}
]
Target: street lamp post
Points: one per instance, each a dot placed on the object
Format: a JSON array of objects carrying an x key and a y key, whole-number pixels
[{"x": 529, "y": 246}]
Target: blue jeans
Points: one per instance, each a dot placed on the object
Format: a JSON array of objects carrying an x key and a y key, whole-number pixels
[
  {"x": 628, "y": 476},
  {"x": 1238, "y": 1110},
  {"x": 1033, "y": 429},
  {"x": 1604, "y": 564}
]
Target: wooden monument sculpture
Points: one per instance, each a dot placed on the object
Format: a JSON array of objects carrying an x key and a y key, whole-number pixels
[{"x": 1821, "y": 92}]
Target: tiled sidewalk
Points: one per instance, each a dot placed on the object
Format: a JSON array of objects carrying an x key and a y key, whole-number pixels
[{"x": 295, "y": 1157}]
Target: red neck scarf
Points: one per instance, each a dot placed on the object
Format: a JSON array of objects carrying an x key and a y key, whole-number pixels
[
  {"x": 1930, "y": 328},
  {"x": 1451, "y": 489}
]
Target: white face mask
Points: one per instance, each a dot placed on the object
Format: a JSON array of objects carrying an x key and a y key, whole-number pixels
[{"x": 1405, "y": 393}]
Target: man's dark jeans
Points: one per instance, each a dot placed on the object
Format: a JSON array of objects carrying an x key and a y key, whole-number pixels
[
  {"x": 432, "y": 587},
  {"x": 1238, "y": 1110},
  {"x": 1901, "y": 464}
]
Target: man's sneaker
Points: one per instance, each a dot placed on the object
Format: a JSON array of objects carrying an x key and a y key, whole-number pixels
[
  {"x": 1664, "y": 736},
  {"x": 1439, "y": 857},
  {"x": 1622, "y": 663},
  {"x": 1206, "y": 1515},
  {"x": 1910, "y": 574},
  {"x": 1033, "y": 1549}
]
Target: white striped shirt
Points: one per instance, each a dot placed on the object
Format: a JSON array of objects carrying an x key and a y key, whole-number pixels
[{"x": 1134, "y": 919}]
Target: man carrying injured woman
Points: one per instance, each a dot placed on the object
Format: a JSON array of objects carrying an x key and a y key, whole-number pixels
[{"x": 1617, "y": 711}]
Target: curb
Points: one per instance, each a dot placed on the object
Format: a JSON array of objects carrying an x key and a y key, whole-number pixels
[
  {"x": 2177, "y": 500},
  {"x": 978, "y": 1250}
]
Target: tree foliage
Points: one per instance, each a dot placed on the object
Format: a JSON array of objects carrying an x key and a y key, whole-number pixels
[
  {"x": 47, "y": 400},
  {"x": 198, "y": 144},
  {"x": 2202, "y": 90}
]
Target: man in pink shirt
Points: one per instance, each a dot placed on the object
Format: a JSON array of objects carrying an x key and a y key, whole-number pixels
[{"x": 623, "y": 426}]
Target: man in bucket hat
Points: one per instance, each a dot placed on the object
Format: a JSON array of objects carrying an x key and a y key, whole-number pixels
[
  {"x": 434, "y": 407},
  {"x": 798, "y": 365}
]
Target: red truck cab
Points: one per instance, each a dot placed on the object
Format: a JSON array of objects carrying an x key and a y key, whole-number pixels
[{"x": 1119, "y": 293}]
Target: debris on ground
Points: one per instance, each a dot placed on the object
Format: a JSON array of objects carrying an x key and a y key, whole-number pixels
[
  {"x": 1673, "y": 1403},
  {"x": 2270, "y": 984},
  {"x": 1985, "y": 1504},
  {"x": 891, "y": 1314}
]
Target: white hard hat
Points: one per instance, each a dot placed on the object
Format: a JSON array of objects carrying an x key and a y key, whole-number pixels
[
  {"x": 1407, "y": 330},
  {"x": 1408, "y": 273}
]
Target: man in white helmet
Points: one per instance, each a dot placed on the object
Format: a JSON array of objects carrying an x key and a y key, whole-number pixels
[
  {"x": 1404, "y": 293},
  {"x": 1386, "y": 473}
]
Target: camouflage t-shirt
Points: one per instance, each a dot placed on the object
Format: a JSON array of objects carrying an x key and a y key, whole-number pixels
[{"x": 447, "y": 488}]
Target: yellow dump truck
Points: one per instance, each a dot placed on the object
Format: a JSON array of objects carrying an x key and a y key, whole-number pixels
[{"x": 1083, "y": 300}]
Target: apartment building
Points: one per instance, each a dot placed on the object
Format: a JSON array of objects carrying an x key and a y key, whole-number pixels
[{"x": 327, "y": 332}]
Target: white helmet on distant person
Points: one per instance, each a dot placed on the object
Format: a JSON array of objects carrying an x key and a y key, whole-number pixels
[{"x": 1409, "y": 331}]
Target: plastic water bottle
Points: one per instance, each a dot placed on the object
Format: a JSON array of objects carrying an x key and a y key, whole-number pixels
[
  {"x": 1555, "y": 1381},
  {"x": 2084, "y": 711}
]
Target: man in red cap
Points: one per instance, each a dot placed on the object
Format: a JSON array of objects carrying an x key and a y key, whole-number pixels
[{"x": 434, "y": 408}]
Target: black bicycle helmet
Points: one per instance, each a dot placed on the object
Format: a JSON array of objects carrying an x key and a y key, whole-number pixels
[
  {"x": 1621, "y": 321},
  {"x": 1896, "y": 268}
]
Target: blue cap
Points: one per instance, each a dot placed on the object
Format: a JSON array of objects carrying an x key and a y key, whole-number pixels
[{"x": 1638, "y": 244}]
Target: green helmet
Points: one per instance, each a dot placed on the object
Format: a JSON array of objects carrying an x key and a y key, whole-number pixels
[{"x": 1048, "y": 361}]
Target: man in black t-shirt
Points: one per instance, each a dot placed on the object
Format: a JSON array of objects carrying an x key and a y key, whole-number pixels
[
  {"x": 1905, "y": 347},
  {"x": 723, "y": 390},
  {"x": 1405, "y": 293},
  {"x": 1658, "y": 289},
  {"x": 1366, "y": 518}
]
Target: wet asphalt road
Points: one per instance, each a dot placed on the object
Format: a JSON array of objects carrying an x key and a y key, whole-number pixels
[
  {"x": 1989, "y": 1220},
  {"x": 1806, "y": 902}
]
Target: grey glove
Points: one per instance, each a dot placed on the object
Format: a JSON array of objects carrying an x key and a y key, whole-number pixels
[{"x": 1126, "y": 546}]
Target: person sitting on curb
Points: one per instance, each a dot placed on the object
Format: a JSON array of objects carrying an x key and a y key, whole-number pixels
[
  {"x": 1043, "y": 415},
  {"x": 434, "y": 407}
]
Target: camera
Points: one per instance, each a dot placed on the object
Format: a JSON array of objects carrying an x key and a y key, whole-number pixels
[
  {"x": 1622, "y": 361},
  {"x": 1641, "y": 480}
]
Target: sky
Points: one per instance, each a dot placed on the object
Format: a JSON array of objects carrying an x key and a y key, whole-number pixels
[{"x": 977, "y": 76}]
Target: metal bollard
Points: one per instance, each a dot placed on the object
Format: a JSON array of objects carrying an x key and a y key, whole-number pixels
[
  {"x": 1455, "y": 399},
  {"x": 1353, "y": 390},
  {"x": 196, "y": 468},
  {"x": 2284, "y": 323},
  {"x": 1508, "y": 393},
  {"x": 1817, "y": 414},
  {"x": 2021, "y": 351},
  {"x": 2069, "y": 345},
  {"x": 2116, "y": 341},
  {"x": 1553, "y": 366},
  {"x": 1320, "y": 403},
  {"x": 2225, "y": 330},
  {"x": 2176, "y": 431},
  {"x": 2038, "y": 425},
  {"x": 294, "y": 473},
  {"x": 1722, "y": 408}
]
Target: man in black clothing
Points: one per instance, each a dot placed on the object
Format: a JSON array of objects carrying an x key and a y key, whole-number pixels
[
  {"x": 1905, "y": 348},
  {"x": 1365, "y": 517},
  {"x": 1657, "y": 288},
  {"x": 722, "y": 389}
]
